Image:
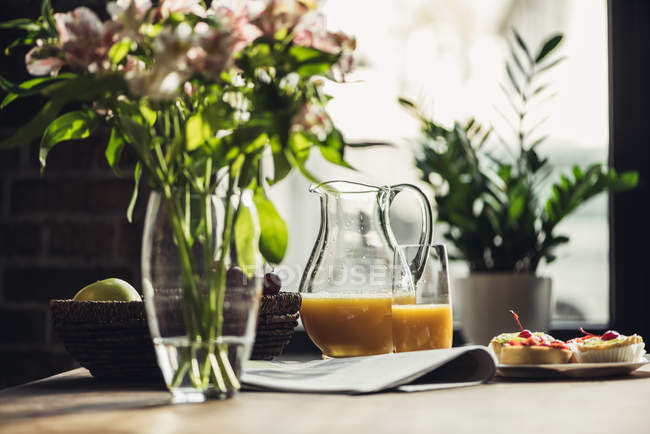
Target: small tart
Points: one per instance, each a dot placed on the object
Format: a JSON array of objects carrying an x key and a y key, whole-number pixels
[
  {"x": 498, "y": 342},
  {"x": 534, "y": 355},
  {"x": 596, "y": 343},
  {"x": 540, "y": 348},
  {"x": 593, "y": 349}
]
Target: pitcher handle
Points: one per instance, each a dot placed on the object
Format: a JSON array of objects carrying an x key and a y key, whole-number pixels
[{"x": 426, "y": 235}]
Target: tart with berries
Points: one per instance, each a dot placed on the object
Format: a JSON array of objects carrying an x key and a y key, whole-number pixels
[
  {"x": 608, "y": 347},
  {"x": 528, "y": 348}
]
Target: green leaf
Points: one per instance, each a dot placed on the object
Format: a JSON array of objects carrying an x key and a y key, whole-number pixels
[
  {"x": 14, "y": 44},
  {"x": 406, "y": 103},
  {"x": 505, "y": 173},
  {"x": 70, "y": 126},
  {"x": 249, "y": 171},
  {"x": 119, "y": 50},
  {"x": 515, "y": 208},
  {"x": 511, "y": 76},
  {"x": 300, "y": 146},
  {"x": 274, "y": 234},
  {"x": 87, "y": 87},
  {"x": 257, "y": 144},
  {"x": 48, "y": 14},
  {"x": 368, "y": 144},
  {"x": 310, "y": 61},
  {"x": 196, "y": 132},
  {"x": 551, "y": 65},
  {"x": 258, "y": 56},
  {"x": 114, "y": 151},
  {"x": 309, "y": 69},
  {"x": 522, "y": 44},
  {"x": 333, "y": 149},
  {"x": 515, "y": 58},
  {"x": 550, "y": 210},
  {"x": 627, "y": 180},
  {"x": 236, "y": 165},
  {"x": 548, "y": 46},
  {"x": 539, "y": 89},
  {"x": 485, "y": 137},
  {"x": 245, "y": 238},
  {"x": 295, "y": 162},
  {"x": 200, "y": 127},
  {"x": 233, "y": 154},
  {"x": 8, "y": 100},
  {"x": 137, "y": 174},
  {"x": 34, "y": 85},
  {"x": 20, "y": 23},
  {"x": 281, "y": 34},
  {"x": 567, "y": 195},
  {"x": 556, "y": 240},
  {"x": 147, "y": 113},
  {"x": 550, "y": 258},
  {"x": 35, "y": 127},
  {"x": 137, "y": 136},
  {"x": 533, "y": 162},
  {"x": 305, "y": 54},
  {"x": 281, "y": 166},
  {"x": 538, "y": 141},
  {"x": 578, "y": 174},
  {"x": 334, "y": 156}
]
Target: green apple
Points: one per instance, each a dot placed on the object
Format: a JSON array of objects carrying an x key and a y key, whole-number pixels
[{"x": 108, "y": 290}]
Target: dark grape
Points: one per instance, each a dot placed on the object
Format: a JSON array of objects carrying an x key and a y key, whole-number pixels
[{"x": 272, "y": 284}]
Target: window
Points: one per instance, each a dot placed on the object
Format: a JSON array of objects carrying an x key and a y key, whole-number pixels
[{"x": 448, "y": 56}]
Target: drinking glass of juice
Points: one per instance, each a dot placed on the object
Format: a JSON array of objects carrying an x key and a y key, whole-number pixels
[{"x": 421, "y": 311}]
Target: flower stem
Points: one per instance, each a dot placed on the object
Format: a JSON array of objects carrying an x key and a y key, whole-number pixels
[{"x": 204, "y": 317}]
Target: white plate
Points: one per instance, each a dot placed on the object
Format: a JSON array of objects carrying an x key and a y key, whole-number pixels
[{"x": 570, "y": 370}]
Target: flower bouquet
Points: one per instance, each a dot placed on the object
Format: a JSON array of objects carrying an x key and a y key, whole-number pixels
[{"x": 198, "y": 92}]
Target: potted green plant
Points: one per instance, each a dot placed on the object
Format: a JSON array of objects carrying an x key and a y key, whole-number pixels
[
  {"x": 495, "y": 210},
  {"x": 197, "y": 92}
]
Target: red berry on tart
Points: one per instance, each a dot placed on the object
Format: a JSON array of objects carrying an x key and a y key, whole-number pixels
[{"x": 527, "y": 348}]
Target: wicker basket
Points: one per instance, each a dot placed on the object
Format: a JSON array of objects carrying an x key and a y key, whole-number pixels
[
  {"x": 111, "y": 338},
  {"x": 277, "y": 319}
]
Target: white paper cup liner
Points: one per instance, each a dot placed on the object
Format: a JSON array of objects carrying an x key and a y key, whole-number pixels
[{"x": 628, "y": 353}]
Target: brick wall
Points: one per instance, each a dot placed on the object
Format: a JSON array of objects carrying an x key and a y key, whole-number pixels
[{"x": 58, "y": 232}]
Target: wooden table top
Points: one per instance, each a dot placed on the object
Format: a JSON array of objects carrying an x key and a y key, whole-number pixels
[{"x": 74, "y": 402}]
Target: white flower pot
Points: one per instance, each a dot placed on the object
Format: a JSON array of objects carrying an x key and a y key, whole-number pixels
[{"x": 484, "y": 299}]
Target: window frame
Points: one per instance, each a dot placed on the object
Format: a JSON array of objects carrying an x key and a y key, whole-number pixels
[{"x": 629, "y": 149}]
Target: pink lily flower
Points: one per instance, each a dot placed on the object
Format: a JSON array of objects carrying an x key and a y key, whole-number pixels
[
  {"x": 214, "y": 50},
  {"x": 313, "y": 119},
  {"x": 85, "y": 39},
  {"x": 235, "y": 15},
  {"x": 282, "y": 15},
  {"x": 43, "y": 61},
  {"x": 129, "y": 14},
  {"x": 137, "y": 8},
  {"x": 168, "y": 7},
  {"x": 311, "y": 31}
]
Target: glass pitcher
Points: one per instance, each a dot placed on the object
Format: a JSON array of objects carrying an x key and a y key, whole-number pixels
[{"x": 347, "y": 284}]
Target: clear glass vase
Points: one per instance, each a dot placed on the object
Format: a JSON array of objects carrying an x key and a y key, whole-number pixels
[{"x": 201, "y": 298}]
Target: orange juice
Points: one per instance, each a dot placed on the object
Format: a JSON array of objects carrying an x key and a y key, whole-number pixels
[
  {"x": 422, "y": 326},
  {"x": 403, "y": 298},
  {"x": 342, "y": 326}
]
